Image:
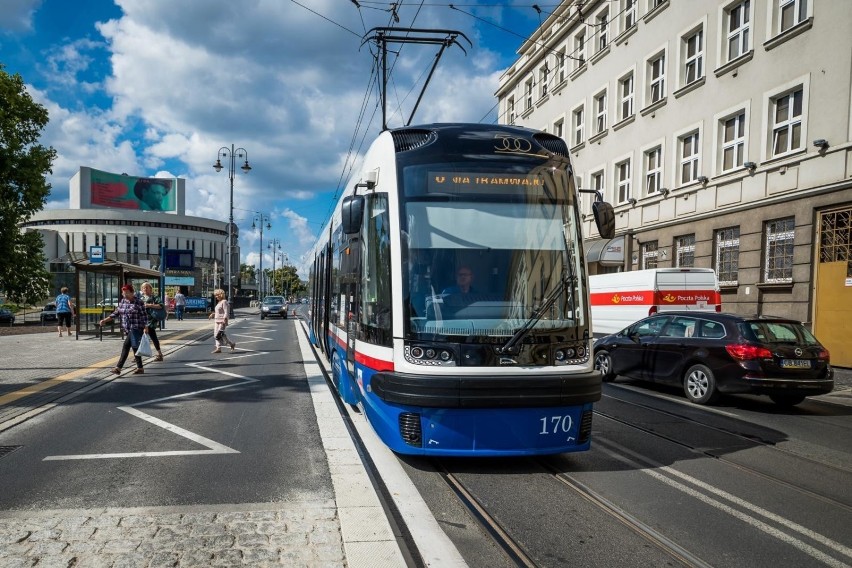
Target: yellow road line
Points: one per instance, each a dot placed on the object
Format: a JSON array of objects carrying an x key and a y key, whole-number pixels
[{"x": 44, "y": 385}]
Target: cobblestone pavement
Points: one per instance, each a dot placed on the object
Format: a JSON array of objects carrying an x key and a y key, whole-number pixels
[
  {"x": 313, "y": 530},
  {"x": 302, "y": 534}
]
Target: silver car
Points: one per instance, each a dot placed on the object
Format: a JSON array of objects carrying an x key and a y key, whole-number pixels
[{"x": 273, "y": 306}]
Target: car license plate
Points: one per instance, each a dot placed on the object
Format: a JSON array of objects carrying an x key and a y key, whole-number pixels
[{"x": 795, "y": 363}]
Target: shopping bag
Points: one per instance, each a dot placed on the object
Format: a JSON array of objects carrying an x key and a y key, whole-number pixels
[{"x": 144, "y": 349}]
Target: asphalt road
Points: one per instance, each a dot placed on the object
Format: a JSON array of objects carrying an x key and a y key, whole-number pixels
[{"x": 667, "y": 483}]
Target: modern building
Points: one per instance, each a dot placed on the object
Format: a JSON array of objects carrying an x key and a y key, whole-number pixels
[
  {"x": 133, "y": 218},
  {"x": 719, "y": 130}
]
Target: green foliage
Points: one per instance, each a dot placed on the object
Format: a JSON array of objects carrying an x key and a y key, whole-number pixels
[
  {"x": 24, "y": 165},
  {"x": 285, "y": 281}
]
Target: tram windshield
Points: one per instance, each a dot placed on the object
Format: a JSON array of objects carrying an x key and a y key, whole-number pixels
[{"x": 485, "y": 250}]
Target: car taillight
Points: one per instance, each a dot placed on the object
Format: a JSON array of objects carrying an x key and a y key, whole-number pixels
[
  {"x": 719, "y": 308},
  {"x": 652, "y": 311},
  {"x": 745, "y": 352},
  {"x": 824, "y": 355}
]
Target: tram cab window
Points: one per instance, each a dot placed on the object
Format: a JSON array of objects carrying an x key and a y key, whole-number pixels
[{"x": 375, "y": 312}]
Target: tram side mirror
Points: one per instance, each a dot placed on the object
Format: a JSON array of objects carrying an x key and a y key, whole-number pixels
[
  {"x": 352, "y": 212},
  {"x": 604, "y": 218}
]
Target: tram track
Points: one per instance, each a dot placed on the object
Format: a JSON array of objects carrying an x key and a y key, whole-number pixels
[
  {"x": 750, "y": 439},
  {"x": 517, "y": 554},
  {"x": 510, "y": 547}
]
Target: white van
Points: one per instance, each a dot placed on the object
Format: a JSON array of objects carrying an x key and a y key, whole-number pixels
[{"x": 622, "y": 298}]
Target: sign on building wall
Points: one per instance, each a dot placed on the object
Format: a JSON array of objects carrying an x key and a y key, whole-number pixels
[
  {"x": 116, "y": 191},
  {"x": 96, "y": 254}
]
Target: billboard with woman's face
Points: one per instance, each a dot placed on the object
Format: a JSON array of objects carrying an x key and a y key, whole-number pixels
[{"x": 128, "y": 192}]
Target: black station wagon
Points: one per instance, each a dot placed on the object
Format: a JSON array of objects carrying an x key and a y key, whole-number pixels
[{"x": 712, "y": 353}]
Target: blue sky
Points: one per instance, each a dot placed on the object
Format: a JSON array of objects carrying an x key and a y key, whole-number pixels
[{"x": 156, "y": 87}]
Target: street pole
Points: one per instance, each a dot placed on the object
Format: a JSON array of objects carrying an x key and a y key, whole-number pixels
[
  {"x": 275, "y": 246},
  {"x": 232, "y": 154},
  {"x": 259, "y": 278}
]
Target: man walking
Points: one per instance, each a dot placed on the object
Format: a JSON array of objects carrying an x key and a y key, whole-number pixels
[{"x": 180, "y": 305}]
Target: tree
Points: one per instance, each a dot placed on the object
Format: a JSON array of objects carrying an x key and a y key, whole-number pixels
[{"x": 24, "y": 165}]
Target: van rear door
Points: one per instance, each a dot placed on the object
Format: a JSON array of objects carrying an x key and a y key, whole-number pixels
[{"x": 687, "y": 289}]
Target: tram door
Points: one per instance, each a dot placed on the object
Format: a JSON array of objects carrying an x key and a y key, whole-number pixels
[
  {"x": 350, "y": 289},
  {"x": 833, "y": 285}
]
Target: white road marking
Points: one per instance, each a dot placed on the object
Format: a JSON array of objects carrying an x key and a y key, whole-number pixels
[
  {"x": 432, "y": 542},
  {"x": 212, "y": 446},
  {"x": 670, "y": 399},
  {"x": 617, "y": 452}
]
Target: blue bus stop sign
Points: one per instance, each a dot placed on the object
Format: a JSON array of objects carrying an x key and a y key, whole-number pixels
[{"x": 96, "y": 254}]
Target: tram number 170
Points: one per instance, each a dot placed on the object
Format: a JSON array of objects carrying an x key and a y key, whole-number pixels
[{"x": 556, "y": 424}]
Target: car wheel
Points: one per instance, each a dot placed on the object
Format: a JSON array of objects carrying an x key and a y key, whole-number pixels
[
  {"x": 699, "y": 385},
  {"x": 262, "y": 317},
  {"x": 603, "y": 363},
  {"x": 787, "y": 400}
]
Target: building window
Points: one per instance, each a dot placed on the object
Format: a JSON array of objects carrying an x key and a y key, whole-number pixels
[
  {"x": 694, "y": 57},
  {"x": 625, "y": 90},
  {"x": 649, "y": 255},
  {"x": 600, "y": 112},
  {"x": 689, "y": 158},
  {"x": 629, "y": 12},
  {"x": 559, "y": 128},
  {"x": 97, "y": 240},
  {"x": 653, "y": 170},
  {"x": 787, "y": 123},
  {"x": 603, "y": 30},
  {"x": 598, "y": 182},
  {"x": 622, "y": 170},
  {"x": 528, "y": 89},
  {"x": 727, "y": 256},
  {"x": 778, "y": 252},
  {"x": 791, "y": 12},
  {"x": 510, "y": 111},
  {"x": 579, "y": 122},
  {"x": 733, "y": 142},
  {"x": 685, "y": 251},
  {"x": 543, "y": 80},
  {"x": 579, "y": 50},
  {"x": 560, "y": 60},
  {"x": 738, "y": 29},
  {"x": 657, "y": 75}
]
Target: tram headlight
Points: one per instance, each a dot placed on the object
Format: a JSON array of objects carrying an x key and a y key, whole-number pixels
[
  {"x": 417, "y": 352},
  {"x": 430, "y": 353},
  {"x": 560, "y": 355},
  {"x": 445, "y": 356},
  {"x": 570, "y": 353},
  {"x": 581, "y": 352}
]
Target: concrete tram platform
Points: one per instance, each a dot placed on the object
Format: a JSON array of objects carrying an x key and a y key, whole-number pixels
[{"x": 40, "y": 371}]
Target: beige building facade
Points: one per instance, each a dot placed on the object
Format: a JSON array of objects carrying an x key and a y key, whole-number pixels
[{"x": 720, "y": 131}]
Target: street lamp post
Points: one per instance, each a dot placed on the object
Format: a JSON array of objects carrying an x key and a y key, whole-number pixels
[
  {"x": 261, "y": 218},
  {"x": 232, "y": 154},
  {"x": 275, "y": 247}
]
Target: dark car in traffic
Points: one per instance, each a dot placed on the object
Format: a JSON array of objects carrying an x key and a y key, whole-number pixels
[
  {"x": 273, "y": 306},
  {"x": 6, "y": 316},
  {"x": 713, "y": 353},
  {"x": 48, "y": 313}
]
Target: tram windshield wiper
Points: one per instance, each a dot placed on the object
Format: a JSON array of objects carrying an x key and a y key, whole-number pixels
[{"x": 522, "y": 332}]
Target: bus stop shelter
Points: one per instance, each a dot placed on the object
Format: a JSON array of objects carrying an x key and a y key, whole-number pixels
[{"x": 99, "y": 289}]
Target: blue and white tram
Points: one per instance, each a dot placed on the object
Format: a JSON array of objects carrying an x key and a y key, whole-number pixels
[{"x": 449, "y": 292}]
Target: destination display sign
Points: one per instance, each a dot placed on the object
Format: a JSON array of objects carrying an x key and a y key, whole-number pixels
[{"x": 480, "y": 182}]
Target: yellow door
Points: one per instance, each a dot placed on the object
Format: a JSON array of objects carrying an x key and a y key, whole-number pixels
[{"x": 833, "y": 291}]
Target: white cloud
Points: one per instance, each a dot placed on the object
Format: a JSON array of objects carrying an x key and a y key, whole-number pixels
[
  {"x": 17, "y": 15},
  {"x": 186, "y": 78}
]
